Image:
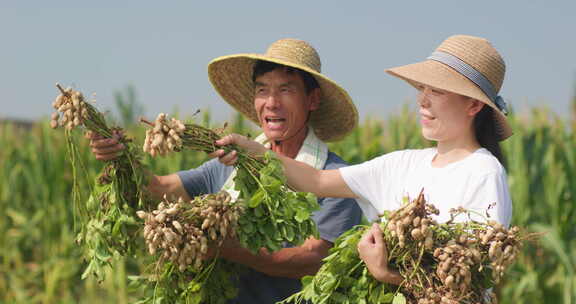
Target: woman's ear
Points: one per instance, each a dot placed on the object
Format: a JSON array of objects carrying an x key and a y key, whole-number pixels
[{"x": 474, "y": 106}]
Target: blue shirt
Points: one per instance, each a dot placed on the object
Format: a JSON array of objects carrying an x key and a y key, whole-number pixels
[{"x": 336, "y": 216}]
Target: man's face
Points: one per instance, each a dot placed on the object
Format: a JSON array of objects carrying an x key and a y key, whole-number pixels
[{"x": 282, "y": 104}]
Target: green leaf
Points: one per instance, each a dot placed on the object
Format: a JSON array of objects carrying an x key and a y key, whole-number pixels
[
  {"x": 289, "y": 233},
  {"x": 399, "y": 299},
  {"x": 287, "y": 207},
  {"x": 338, "y": 297},
  {"x": 272, "y": 184},
  {"x": 306, "y": 280},
  {"x": 302, "y": 215},
  {"x": 243, "y": 238},
  {"x": 267, "y": 229},
  {"x": 256, "y": 199},
  {"x": 278, "y": 236},
  {"x": 272, "y": 245},
  {"x": 312, "y": 201},
  {"x": 387, "y": 297},
  {"x": 102, "y": 254},
  {"x": 88, "y": 270},
  {"x": 17, "y": 218},
  {"x": 116, "y": 229},
  {"x": 247, "y": 227},
  {"x": 258, "y": 211},
  {"x": 194, "y": 287}
]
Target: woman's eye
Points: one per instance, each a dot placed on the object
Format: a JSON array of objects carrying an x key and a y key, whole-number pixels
[{"x": 437, "y": 92}]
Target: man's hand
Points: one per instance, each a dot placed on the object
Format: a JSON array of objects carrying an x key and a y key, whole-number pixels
[
  {"x": 373, "y": 252},
  {"x": 105, "y": 149},
  {"x": 230, "y": 244}
]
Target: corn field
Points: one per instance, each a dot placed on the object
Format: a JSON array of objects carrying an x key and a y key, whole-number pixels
[{"x": 40, "y": 261}]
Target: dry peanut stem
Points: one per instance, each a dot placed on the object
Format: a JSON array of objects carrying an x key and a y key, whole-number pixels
[{"x": 460, "y": 251}]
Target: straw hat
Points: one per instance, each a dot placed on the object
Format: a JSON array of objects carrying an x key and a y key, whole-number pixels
[
  {"x": 464, "y": 65},
  {"x": 231, "y": 76}
]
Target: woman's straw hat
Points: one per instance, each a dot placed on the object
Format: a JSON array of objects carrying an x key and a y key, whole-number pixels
[
  {"x": 464, "y": 65},
  {"x": 231, "y": 76}
]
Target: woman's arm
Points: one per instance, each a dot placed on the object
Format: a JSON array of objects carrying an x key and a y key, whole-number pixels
[{"x": 302, "y": 177}]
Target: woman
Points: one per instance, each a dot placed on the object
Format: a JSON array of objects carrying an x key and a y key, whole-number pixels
[{"x": 461, "y": 111}]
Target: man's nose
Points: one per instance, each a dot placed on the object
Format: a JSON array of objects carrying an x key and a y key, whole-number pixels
[{"x": 273, "y": 101}]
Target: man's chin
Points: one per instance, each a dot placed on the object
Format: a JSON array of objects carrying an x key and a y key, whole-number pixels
[{"x": 274, "y": 135}]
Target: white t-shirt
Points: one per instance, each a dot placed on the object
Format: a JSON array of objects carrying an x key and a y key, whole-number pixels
[{"x": 474, "y": 183}]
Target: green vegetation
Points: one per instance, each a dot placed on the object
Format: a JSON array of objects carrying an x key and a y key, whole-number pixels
[{"x": 40, "y": 261}]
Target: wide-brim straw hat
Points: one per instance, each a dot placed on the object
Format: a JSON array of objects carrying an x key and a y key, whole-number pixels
[
  {"x": 231, "y": 76},
  {"x": 446, "y": 68}
]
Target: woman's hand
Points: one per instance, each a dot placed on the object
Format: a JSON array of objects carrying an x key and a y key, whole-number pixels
[
  {"x": 230, "y": 159},
  {"x": 373, "y": 252}
]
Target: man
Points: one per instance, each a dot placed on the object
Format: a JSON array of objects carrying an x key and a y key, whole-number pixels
[{"x": 298, "y": 109}]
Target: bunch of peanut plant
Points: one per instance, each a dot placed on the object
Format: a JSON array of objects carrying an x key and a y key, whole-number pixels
[{"x": 106, "y": 212}]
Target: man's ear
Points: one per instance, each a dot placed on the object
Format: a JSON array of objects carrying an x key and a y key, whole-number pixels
[
  {"x": 315, "y": 97},
  {"x": 475, "y": 106}
]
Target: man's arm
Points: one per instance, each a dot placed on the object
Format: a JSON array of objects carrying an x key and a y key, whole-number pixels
[
  {"x": 106, "y": 149},
  {"x": 334, "y": 218},
  {"x": 168, "y": 184},
  {"x": 294, "y": 262}
]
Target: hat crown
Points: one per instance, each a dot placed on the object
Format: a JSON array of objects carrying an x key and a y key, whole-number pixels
[
  {"x": 295, "y": 51},
  {"x": 478, "y": 53}
]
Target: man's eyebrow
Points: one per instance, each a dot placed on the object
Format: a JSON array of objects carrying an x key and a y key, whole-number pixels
[
  {"x": 282, "y": 85},
  {"x": 288, "y": 84}
]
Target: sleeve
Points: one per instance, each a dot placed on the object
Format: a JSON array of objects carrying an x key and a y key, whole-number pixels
[
  {"x": 371, "y": 182},
  {"x": 207, "y": 178},
  {"x": 491, "y": 197},
  {"x": 360, "y": 179},
  {"x": 336, "y": 215}
]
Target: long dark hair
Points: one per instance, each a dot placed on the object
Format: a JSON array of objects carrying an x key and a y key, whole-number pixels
[{"x": 486, "y": 133}]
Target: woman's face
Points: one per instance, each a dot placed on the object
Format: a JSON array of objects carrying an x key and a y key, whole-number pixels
[{"x": 446, "y": 116}]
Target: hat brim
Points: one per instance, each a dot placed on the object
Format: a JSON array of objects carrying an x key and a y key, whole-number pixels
[
  {"x": 441, "y": 76},
  {"x": 231, "y": 76}
]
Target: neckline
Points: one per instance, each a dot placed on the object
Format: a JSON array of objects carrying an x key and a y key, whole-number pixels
[{"x": 452, "y": 164}]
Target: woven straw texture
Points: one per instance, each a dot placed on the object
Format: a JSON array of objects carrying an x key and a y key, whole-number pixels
[
  {"x": 231, "y": 76},
  {"x": 475, "y": 51}
]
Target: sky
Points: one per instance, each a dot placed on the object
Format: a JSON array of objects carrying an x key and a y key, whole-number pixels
[{"x": 162, "y": 48}]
